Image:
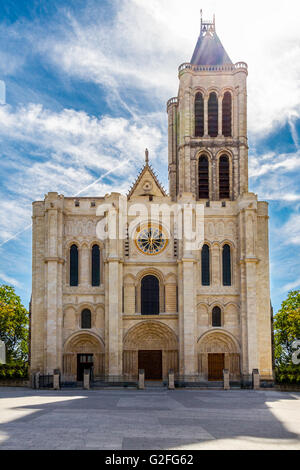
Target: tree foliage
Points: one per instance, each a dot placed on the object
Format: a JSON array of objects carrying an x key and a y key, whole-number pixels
[
  {"x": 14, "y": 320},
  {"x": 287, "y": 330}
]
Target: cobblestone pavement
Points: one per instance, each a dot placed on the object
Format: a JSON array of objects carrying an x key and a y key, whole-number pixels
[{"x": 149, "y": 419}]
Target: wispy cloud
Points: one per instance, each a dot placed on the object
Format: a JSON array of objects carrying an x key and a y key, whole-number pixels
[
  {"x": 10, "y": 280},
  {"x": 69, "y": 152},
  {"x": 291, "y": 285},
  {"x": 291, "y": 230},
  {"x": 145, "y": 42}
]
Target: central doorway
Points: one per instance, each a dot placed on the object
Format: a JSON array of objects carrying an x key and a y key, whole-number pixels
[
  {"x": 151, "y": 362},
  {"x": 84, "y": 361},
  {"x": 215, "y": 366}
]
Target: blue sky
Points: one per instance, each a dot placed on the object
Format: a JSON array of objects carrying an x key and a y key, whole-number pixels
[{"x": 86, "y": 88}]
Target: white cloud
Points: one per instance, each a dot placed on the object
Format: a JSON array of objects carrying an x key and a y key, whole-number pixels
[
  {"x": 291, "y": 285},
  {"x": 89, "y": 141},
  {"x": 146, "y": 42},
  {"x": 69, "y": 152},
  {"x": 291, "y": 230},
  {"x": 270, "y": 162},
  {"x": 10, "y": 280}
]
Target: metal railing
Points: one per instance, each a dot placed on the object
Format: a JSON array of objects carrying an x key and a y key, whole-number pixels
[{"x": 46, "y": 381}]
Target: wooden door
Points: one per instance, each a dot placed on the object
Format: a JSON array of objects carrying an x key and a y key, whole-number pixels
[
  {"x": 215, "y": 366},
  {"x": 151, "y": 362},
  {"x": 84, "y": 361}
]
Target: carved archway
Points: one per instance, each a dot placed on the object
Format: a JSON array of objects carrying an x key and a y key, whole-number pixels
[
  {"x": 219, "y": 342},
  {"x": 150, "y": 335},
  {"x": 82, "y": 343}
]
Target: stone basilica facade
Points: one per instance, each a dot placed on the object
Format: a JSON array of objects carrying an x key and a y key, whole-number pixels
[{"x": 142, "y": 301}]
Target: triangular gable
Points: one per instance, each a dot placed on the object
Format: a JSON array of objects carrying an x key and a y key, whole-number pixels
[{"x": 146, "y": 184}]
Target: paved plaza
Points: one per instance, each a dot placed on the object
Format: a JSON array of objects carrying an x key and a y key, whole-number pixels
[{"x": 149, "y": 419}]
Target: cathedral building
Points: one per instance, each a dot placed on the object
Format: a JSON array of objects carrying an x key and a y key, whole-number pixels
[{"x": 139, "y": 298}]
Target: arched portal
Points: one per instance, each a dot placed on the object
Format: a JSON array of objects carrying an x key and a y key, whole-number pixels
[
  {"x": 152, "y": 346},
  {"x": 82, "y": 350},
  {"x": 218, "y": 350}
]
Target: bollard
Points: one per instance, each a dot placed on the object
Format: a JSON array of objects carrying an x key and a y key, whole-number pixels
[
  {"x": 37, "y": 380},
  {"x": 141, "y": 379},
  {"x": 226, "y": 379},
  {"x": 255, "y": 379},
  {"x": 171, "y": 380},
  {"x": 56, "y": 379},
  {"x": 86, "y": 379}
]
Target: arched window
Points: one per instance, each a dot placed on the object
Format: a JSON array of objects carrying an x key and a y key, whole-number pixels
[
  {"x": 199, "y": 115},
  {"x": 150, "y": 295},
  {"x": 226, "y": 114},
  {"x": 216, "y": 319},
  {"x": 203, "y": 178},
  {"x": 86, "y": 318},
  {"x": 73, "y": 265},
  {"x": 226, "y": 262},
  {"x": 95, "y": 266},
  {"x": 213, "y": 115},
  {"x": 224, "y": 177},
  {"x": 205, "y": 265}
]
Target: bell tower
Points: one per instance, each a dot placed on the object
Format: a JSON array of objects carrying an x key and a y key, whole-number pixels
[{"x": 207, "y": 124}]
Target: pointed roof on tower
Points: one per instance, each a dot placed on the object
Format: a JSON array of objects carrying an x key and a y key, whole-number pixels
[{"x": 209, "y": 49}]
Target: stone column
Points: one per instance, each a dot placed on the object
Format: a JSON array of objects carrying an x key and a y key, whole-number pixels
[
  {"x": 205, "y": 116},
  {"x": 172, "y": 147},
  {"x": 189, "y": 317},
  {"x": 215, "y": 265},
  {"x": 114, "y": 282},
  {"x": 247, "y": 223},
  {"x": 84, "y": 266},
  {"x": 220, "y": 130},
  {"x": 53, "y": 204}
]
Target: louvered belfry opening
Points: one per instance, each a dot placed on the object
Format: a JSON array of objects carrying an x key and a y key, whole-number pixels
[
  {"x": 150, "y": 295},
  {"x": 226, "y": 262},
  {"x": 213, "y": 115},
  {"x": 203, "y": 177},
  {"x": 226, "y": 115},
  {"x": 224, "y": 186},
  {"x": 73, "y": 265},
  {"x": 205, "y": 265},
  {"x": 199, "y": 115},
  {"x": 95, "y": 265}
]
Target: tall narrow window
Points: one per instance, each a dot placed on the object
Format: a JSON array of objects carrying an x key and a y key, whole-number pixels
[
  {"x": 86, "y": 318},
  {"x": 203, "y": 178},
  {"x": 213, "y": 115},
  {"x": 216, "y": 317},
  {"x": 150, "y": 295},
  {"x": 73, "y": 265},
  {"x": 205, "y": 265},
  {"x": 95, "y": 266},
  {"x": 226, "y": 115},
  {"x": 199, "y": 115},
  {"x": 224, "y": 177},
  {"x": 226, "y": 262}
]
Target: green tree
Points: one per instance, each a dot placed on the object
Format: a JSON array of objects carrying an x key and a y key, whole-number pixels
[
  {"x": 286, "y": 331},
  {"x": 14, "y": 320}
]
